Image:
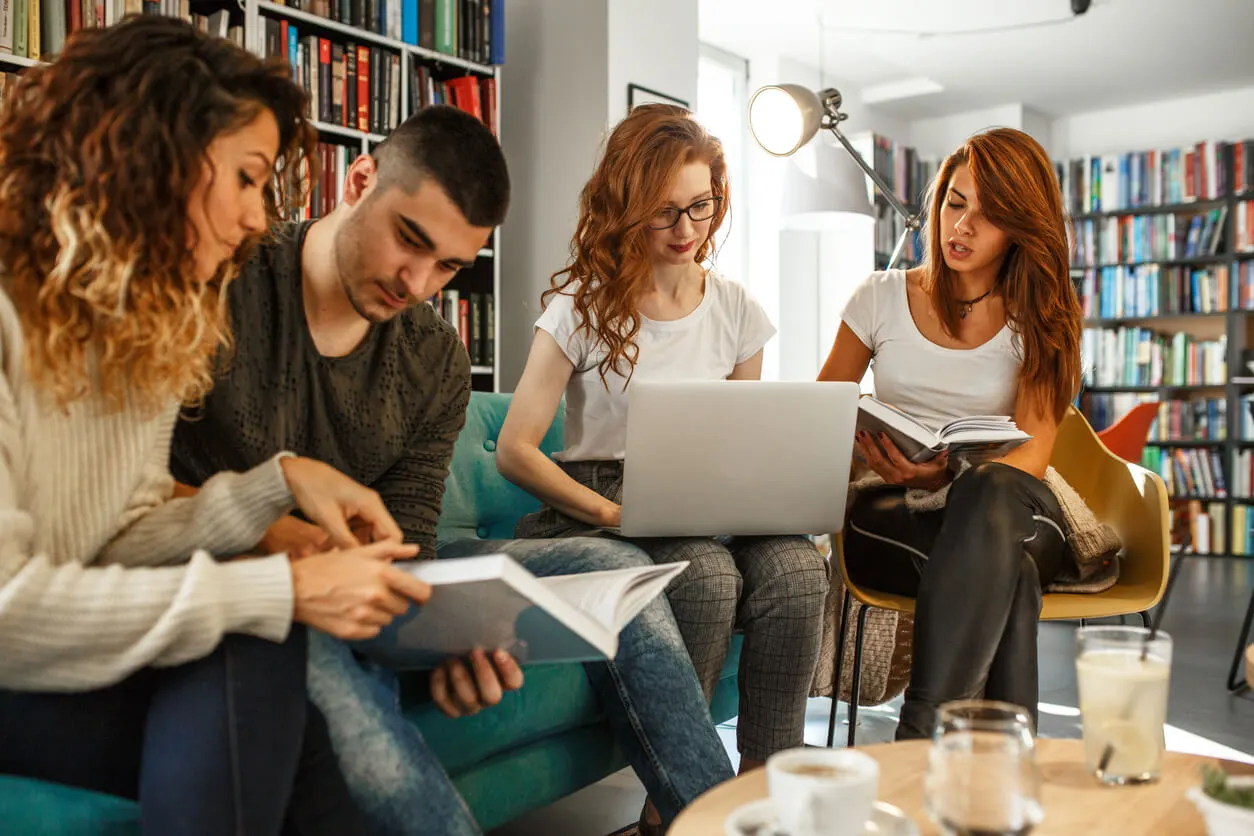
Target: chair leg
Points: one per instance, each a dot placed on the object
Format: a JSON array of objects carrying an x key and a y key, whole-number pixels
[
  {"x": 1173, "y": 573},
  {"x": 1084, "y": 622},
  {"x": 1145, "y": 619},
  {"x": 857, "y": 675},
  {"x": 840, "y": 661},
  {"x": 1235, "y": 683}
]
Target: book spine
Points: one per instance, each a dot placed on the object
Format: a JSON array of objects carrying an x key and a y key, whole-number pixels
[
  {"x": 364, "y": 69},
  {"x": 426, "y": 24},
  {"x": 350, "y": 86},
  {"x": 325, "y": 83},
  {"x": 446, "y": 26},
  {"x": 337, "y": 84}
]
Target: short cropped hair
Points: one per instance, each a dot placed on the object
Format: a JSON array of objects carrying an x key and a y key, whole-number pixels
[{"x": 458, "y": 152}]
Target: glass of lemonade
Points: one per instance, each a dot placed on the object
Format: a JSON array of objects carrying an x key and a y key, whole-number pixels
[{"x": 1122, "y": 677}]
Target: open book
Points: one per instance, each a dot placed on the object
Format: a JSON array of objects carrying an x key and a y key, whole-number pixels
[
  {"x": 492, "y": 602},
  {"x": 978, "y": 436}
]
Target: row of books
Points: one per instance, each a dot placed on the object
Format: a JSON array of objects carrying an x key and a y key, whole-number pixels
[
  {"x": 1243, "y": 228},
  {"x": 476, "y": 96},
  {"x": 332, "y": 161},
  {"x": 1244, "y": 280},
  {"x": 1242, "y": 529},
  {"x": 1243, "y": 474},
  {"x": 37, "y": 29},
  {"x": 888, "y": 228},
  {"x": 905, "y": 173},
  {"x": 1125, "y": 238},
  {"x": 1244, "y": 425},
  {"x": 1185, "y": 419},
  {"x": 351, "y": 85},
  {"x": 1195, "y": 472},
  {"x": 1130, "y": 356},
  {"x": 358, "y": 86},
  {"x": 473, "y": 315},
  {"x": 1154, "y": 290},
  {"x": 1200, "y": 527},
  {"x": 1205, "y": 171},
  {"x": 470, "y": 29}
]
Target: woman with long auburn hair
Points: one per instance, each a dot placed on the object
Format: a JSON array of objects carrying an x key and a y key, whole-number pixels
[
  {"x": 640, "y": 300},
  {"x": 988, "y": 325},
  {"x": 145, "y": 652}
]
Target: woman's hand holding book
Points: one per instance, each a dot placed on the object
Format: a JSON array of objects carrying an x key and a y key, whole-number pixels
[{"x": 882, "y": 456}]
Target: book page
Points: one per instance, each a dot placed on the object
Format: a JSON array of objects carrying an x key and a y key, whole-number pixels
[{"x": 614, "y": 597}]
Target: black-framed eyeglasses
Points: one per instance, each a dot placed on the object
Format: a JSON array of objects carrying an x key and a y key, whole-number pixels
[{"x": 701, "y": 210}]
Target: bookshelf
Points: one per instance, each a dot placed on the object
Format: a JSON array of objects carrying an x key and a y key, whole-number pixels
[
  {"x": 1162, "y": 249},
  {"x": 907, "y": 175},
  {"x": 415, "y": 53},
  {"x": 367, "y": 65}
]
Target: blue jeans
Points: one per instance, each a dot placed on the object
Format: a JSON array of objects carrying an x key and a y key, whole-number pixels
[
  {"x": 210, "y": 747},
  {"x": 649, "y": 693}
]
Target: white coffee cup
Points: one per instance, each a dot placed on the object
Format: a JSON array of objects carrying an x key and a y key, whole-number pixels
[{"x": 822, "y": 792}]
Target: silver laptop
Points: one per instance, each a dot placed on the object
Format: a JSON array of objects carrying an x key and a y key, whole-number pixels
[{"x": 737, "y": 457}]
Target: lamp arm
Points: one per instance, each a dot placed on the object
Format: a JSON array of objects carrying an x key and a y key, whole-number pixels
[{"x": 912, "y": 220}]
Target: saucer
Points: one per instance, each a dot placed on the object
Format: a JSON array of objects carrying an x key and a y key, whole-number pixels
[{"x": 757, "y": 818}]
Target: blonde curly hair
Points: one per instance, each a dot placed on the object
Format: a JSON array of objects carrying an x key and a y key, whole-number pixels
[{"x": 99, "y": 154}]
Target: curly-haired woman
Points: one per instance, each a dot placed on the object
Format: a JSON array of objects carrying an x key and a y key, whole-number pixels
[
  {"x": 640, "y": 301},
  {"x": 133, "y": 173}
]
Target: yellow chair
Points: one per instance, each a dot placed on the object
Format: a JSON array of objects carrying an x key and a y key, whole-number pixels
[{"x": 1125, "y": 496}]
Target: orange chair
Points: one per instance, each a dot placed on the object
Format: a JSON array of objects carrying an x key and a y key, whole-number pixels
[{"x": 1126, "y": 437}]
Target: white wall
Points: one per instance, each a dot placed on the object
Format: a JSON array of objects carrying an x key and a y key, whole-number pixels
[
  {"x": 553, "y": 112},
  {"x": 1040, "y": 126},
  {"x": 1168, "y": 123},
  {"x": 564, "y": 86},
  {"x": 652, "y": 43},
  {"x": 939, "y": 136}
]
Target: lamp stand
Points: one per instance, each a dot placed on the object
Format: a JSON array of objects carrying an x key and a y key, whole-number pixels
[{"x": 832, "y": 117}]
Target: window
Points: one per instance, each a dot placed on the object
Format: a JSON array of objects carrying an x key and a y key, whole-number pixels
[{"x": 722, "y": 106}]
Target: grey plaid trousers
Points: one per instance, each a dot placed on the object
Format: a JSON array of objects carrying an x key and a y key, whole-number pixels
[{"x": 771, "y": 588}]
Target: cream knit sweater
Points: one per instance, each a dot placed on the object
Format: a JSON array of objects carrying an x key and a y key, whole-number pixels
[{"x": 101, "y": 572}]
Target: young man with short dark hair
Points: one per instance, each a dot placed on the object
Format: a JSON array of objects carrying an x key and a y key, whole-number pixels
[{"x": 337, "y": 357}]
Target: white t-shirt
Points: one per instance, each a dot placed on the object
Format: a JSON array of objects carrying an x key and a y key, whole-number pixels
[
  {"x": 933, "y": 383},
  {"x": 726, "y": 329}
]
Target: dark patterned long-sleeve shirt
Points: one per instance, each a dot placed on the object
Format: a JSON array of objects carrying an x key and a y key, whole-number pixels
[{"x": 387, "y": 414}]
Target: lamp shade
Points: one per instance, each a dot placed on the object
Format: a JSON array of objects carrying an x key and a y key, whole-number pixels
[
  {"x": 784, "y": 117},
  {"x": 823, "y": 191}
]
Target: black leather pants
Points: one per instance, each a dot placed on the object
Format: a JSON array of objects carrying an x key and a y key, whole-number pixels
[{"x": 976, "y": 568}]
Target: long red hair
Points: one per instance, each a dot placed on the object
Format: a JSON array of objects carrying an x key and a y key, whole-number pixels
[
  {"x": 1019, "y": 195},
  {"x": 609, "y": 257}
]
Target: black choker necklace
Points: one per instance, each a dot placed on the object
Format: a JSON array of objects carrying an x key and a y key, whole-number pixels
[{"x": 968, "y": 304}]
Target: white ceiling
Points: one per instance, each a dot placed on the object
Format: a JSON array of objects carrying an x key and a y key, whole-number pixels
[{"x": 1120, "y": 52}]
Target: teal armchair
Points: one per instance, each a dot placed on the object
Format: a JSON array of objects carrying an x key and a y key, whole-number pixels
[{"x": 542, "y": 743}]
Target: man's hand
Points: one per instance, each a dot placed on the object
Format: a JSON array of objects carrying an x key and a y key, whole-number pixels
[
  {"x": 337, "y": 504},
  {"x": 458, "y": 692},
  {"x": 886, "y": 460},
  {"x": 295, "y": 537}
]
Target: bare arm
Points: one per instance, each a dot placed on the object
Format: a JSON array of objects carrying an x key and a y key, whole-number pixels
[
  {"x": 847, "y": 363},
  {"x": 848, "y": 360},
  {"x": 531, "y": 412},
  {"x": 750, "y": 369},
  {"x": 1035, "y": 418}
]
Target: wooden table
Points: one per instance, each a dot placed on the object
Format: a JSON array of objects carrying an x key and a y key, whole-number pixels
[{"x": 1075, "y": 803}]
